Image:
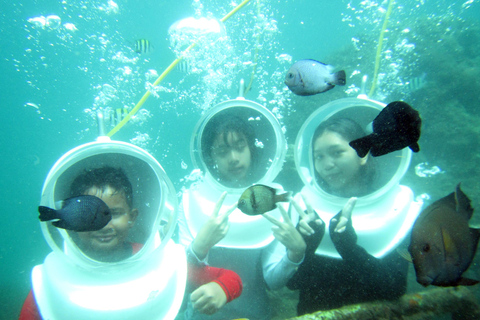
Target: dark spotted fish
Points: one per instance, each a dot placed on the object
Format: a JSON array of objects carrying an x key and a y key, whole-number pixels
[
  {"x": 82, "y": 213},
  {"x": 396, "y": 127}
]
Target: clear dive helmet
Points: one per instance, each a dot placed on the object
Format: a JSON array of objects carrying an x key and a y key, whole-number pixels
[
  {"x": 390, "y": 168},
  {"x": 153, "y": 196},
  {"x": 84, "y": 278},
  {"x": 383, "y": 216},
  {"x": 257, "y": 130},
  {"x": 264, "y": 137}
]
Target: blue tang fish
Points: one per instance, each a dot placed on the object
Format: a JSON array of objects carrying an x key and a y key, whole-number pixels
[
  {"x": 82, "y": 213},
  {"x": 308, "y": 77}
]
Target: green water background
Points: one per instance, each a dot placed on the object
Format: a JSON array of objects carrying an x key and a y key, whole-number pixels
[{"x": 53, "y": 80}]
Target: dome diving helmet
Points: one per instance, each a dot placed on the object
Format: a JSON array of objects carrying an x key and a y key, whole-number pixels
[
  {"x": 383, "y": 216},
  {"x": 81, "y": 278},
  {"x": 238, "y": 127}
]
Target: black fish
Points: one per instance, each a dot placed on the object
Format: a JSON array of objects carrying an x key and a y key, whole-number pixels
[
  {"x": 82, "y": 213},
  {"x": 397, "y": 126},
  {"x": 442, "y": 244},
  {"x": 259, "y": 199}
]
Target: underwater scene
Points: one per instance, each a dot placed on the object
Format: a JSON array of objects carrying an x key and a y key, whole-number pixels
[{"x": 65, "y": 61}]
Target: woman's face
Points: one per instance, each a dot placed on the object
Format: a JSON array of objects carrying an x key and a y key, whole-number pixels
[
  {"x": 232, "y": 156},
  {"x": 336, "y": 162}
]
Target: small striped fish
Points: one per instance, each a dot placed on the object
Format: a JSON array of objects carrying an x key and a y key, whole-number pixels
[{"x": 143, "y": 46}]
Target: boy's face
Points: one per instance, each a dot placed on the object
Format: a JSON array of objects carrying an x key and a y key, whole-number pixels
[{"x": 114, "y": 234}]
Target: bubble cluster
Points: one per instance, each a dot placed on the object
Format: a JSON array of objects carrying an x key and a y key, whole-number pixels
[
  {"x": 400, "y": 59},
  {"x": 424, "y": 170}
]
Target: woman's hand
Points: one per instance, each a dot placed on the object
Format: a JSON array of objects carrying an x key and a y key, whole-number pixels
[
  {"x": 305, "y": 219},
  {"x": 345, "y": 216},
  {"x": 208, "y": 298},
  {"x": 286, "y": 233},
  {"x": 214, "y": 229},
  {"x": 342, "y": 233}
]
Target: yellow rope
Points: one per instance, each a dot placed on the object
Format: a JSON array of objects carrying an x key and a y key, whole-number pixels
[
  {"x": 379, "y": 48},
  {"x": 255, "y": 58},
  {"x": 164, "y": 74},
  {"x": 231, "y": 13}
]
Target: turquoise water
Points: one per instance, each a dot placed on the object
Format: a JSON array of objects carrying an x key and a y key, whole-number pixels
[{"x": 54, "y": 78}]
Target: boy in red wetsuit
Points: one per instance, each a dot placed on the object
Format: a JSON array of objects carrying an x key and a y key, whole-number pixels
[{"x": 213, "y": 287}]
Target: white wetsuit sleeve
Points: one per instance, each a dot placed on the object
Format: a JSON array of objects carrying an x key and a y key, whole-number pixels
[
  {"x": 277, "y": 268},
  {"x": 186, "y": 237}
]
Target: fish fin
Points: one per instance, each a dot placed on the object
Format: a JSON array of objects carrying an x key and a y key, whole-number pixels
[
  {"x": 273, "y": 190},
  {"x": 339, "y": 78},
  {"x": 467, "y": 282},
  {"x": 60, "y": 224},
  {"x": 448, "y": 244},
  {"x": 47, "y": 214},
  {"x": 476, "y": 236},
  {"x": 415, "y": 147},
  {"x": 283, "y": 197},
  {"x": 362, "y": 145},
  {"x": 403, "y": 252},
  {"x": 462, "y": 203},
  {"x": 329, "y": 87},
  {"x": 318, "y": 62}
]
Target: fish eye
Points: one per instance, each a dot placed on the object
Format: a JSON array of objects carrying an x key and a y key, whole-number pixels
[
  {"x": 242, "y": 202},
  {"x": 290, "y": 75},
  {"x": 426, "y": 247}
]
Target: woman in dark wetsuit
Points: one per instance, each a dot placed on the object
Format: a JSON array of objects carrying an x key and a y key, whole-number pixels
[{"x": 326, "y": 282}]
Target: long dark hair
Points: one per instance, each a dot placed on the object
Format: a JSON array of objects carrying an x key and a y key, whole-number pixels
[
  {"x": 226, "y": 123},
  {"x": 348, "y": 130}
]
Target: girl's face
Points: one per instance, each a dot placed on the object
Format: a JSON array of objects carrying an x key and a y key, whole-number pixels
[
  {"x": 337, "y": 163},
  {"x": 232, "y": 156}
]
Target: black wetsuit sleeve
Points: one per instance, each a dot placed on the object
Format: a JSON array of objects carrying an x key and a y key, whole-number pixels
[
  {"x": 390, "y": 272},
  {"x": 314, "y": 240}
]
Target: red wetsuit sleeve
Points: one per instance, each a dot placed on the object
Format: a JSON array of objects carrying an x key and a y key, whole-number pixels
[
  {"x": 136, "y": 247},
  {"x": 29, "y": 309},
  {"x": 228, "y": 280}
]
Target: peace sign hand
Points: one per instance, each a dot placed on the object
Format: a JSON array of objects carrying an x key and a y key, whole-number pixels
[
  {"x": 214, "y": 229},
  {"x": 306, "y": 219},
  {"x": 286, "y": 233}
]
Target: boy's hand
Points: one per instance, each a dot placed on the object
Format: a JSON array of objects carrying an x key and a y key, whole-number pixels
[{"x": 208, "y": 298}]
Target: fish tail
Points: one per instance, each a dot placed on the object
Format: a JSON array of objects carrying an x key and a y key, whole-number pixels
[
  {"x": 414, "y": 147},
  {"x": 362, "y": 145},
  {"x": 47, "y": 213},
  {"x": 283, "y": 197},
  {"x": 339, "y": 78}
]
